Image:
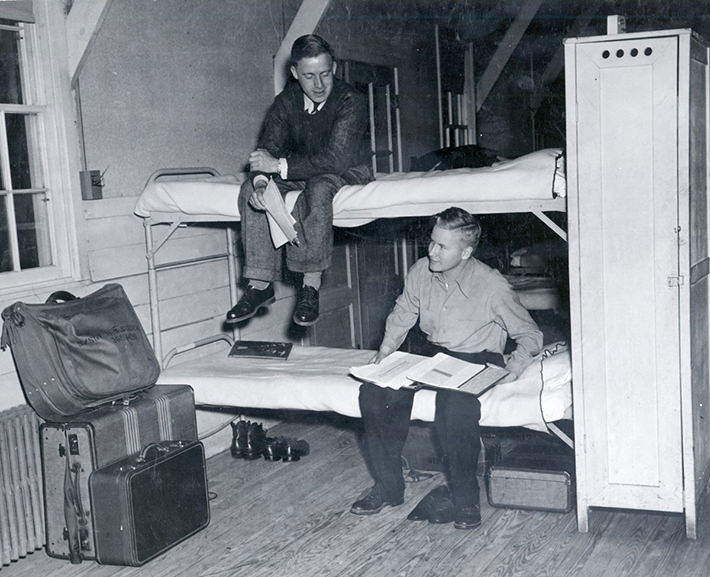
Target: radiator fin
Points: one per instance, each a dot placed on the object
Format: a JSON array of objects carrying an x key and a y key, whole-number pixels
[{"x": 21, "y": 508}]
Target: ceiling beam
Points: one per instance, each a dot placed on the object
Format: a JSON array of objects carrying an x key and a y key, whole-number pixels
[
  {"x": 83, "y": 22},
  {"x": 307, "y": 18},
  {"x": 505, "y": 50},
  {"x": 556, "y": 64}
]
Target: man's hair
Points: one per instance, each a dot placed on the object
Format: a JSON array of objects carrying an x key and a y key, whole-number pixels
[
  {"x": 310, "y": 46},
  {"x": 457, "y": 219}
]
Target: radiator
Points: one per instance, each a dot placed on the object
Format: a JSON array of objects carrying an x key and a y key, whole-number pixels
[{"x": 21, "y": 507}]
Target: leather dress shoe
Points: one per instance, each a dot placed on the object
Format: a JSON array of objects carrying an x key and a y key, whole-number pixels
[
  {"x": 248, "y": 440},
  {"x": 467, "y": 517},
  {"x": 435, "y": 507},
  {"x": 305, "y": 313},
  {"x": 294, "y": 449},
  {"x": 285, "y": 448},
  {"x": 373, "y": 502},
  {"x": 250, "y": 303},
  {"x": 256, "y": 441},
  {"x": 239, "y": 439}
]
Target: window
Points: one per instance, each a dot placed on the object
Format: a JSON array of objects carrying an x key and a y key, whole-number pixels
[{"x": 34, "y": 239}]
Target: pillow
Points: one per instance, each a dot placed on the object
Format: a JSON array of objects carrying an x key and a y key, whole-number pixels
[{"x": 554, "y": 362}]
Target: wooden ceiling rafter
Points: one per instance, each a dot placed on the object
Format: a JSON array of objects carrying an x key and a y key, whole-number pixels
[
  {"x": 505, "y": 49},
  {"x": 307, "y": 18},
  {"x": 556, "y": 63},
  {"x": 82, "y": 24}
]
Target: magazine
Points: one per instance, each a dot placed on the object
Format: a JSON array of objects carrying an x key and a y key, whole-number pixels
[
  {"x": 402, "y": 369},
  {"x": 261, "y": 350}
]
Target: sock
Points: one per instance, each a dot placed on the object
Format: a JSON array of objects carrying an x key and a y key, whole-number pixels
[
  {"x": 312, "y": 279},
  {"x": 259, "y": 285}
]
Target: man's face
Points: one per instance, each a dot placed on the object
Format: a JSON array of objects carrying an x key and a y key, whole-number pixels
[
  {"x": 315, "y": 75},
  {"x": 447, "y": 250}
]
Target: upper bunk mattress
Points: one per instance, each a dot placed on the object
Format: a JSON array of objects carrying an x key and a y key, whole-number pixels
[{"x": 538, "y": 177}]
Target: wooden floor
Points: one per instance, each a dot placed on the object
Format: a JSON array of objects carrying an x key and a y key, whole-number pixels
[{"x": 291, "y": 519}]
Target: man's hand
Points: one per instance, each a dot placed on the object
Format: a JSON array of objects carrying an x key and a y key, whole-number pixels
[
  {"x": 261, "y": 161},
  {"x": 509, "y": 378},
  {"x": 381, "y": 354},
  {"x": 256, "y": 200}
]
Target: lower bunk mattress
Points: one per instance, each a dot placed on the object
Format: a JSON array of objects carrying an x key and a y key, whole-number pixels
[{"x": 317, "y": 378}]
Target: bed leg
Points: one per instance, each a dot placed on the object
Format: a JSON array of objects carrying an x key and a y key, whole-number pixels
[{"x": 153, "y": 291}]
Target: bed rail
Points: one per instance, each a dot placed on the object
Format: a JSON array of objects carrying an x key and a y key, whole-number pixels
[{"x": 154, "y": 245}]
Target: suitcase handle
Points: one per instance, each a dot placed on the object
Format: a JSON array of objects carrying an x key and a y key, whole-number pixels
[
  {"x": 60, "y": 296},
  {"x": 157, "y": 450}
]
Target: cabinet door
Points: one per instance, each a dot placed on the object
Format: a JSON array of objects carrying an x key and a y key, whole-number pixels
[{"x": 624, "y": 291}]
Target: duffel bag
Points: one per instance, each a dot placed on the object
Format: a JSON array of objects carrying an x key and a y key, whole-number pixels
[{"x": 72, "y": 353}]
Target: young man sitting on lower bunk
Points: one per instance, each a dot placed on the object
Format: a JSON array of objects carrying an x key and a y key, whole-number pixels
[{"x": 467, "y": 310}]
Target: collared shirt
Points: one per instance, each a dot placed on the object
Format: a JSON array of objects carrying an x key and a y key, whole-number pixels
[
  {"x": 475, "y": 312},
  {"x": 310, "y": 106}
]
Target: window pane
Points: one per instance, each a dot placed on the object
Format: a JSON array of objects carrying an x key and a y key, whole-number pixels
[
  {"x": 32, "y": 230},
  {"x": 21, "y": 138},
  {"x": 10, "y": 79}
]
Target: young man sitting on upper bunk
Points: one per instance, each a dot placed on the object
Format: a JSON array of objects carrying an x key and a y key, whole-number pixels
[
  {"x": 467, "y": 310},
  {"x": 314, "y": 139}
]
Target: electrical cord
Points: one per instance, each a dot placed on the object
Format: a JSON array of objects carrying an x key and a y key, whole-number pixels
[
  {"x": 546, "y": 354},
  {"x": 551, "y": 427}
]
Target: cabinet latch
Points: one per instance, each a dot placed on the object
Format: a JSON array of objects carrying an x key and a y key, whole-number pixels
[{"x": 676, "y": 281}]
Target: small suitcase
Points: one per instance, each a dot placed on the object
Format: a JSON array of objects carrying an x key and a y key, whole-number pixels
[
  {"x": 147, "y": 503},
  {"x": 72, "y": 450},
  {"x": 535, "y": 477}
]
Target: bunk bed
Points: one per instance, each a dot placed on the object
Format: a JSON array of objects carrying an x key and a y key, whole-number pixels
[{"x": 316, "y": 378}]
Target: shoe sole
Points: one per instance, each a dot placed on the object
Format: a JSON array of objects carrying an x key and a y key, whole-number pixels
[
  {"x": 266, "y": 303},
  {"x": 365, "y": 512},
  {"x": 441, "y": 520},
  {"x": 305, "y": 323},
  {"x": 467, "y": 525}
]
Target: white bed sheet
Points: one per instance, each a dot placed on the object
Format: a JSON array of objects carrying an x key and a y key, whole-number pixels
[
  {"x": 538, "y": 176},
  {"x": 317, "y": 379}
]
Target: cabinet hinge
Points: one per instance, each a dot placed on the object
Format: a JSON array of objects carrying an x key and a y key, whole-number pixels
[{"x": 676, "y": 281}]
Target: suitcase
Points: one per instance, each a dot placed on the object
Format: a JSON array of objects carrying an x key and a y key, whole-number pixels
[
  {"x": 147, "y": 503},
  {"x": 535, "y": 477},
  {"x": 72, "y": 450}
]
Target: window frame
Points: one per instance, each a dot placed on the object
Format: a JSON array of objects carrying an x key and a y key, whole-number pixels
[{"x": 47, "y": 96}]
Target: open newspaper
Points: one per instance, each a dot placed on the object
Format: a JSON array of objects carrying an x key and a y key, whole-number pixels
[{"x": 402, "y": 369}]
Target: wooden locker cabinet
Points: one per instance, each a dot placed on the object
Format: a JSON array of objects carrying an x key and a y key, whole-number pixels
[{"x": 637, "y": 133}]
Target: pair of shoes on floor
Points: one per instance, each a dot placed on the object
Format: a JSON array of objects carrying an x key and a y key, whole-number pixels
[
  {"x": 437, "y": 507},
  {"x": 286, "y": 449},
  {"x": 373, "y": 501},
  {"x": 305, "y": 312},
  {"x": 248, "y": 440},
  {"x": 252, "y": 300}
]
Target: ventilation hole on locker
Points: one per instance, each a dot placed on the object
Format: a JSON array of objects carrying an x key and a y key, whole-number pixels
[
  {"x": 619, "y": 53},
  {"x": 634, "y": 52},
  {"x": 605, "y": 54},
  {"x": 648, "y": 51}
]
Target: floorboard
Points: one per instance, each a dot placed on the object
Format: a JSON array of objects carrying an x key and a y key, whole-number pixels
[{"x": 274, "y": 519}]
